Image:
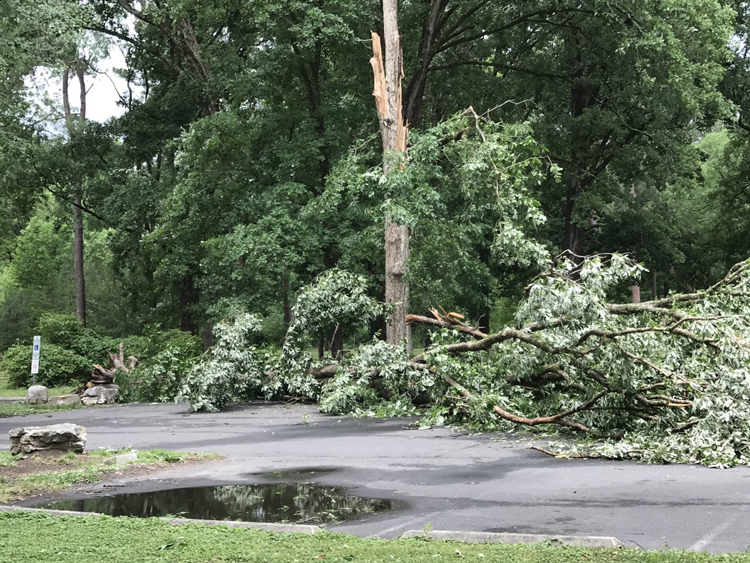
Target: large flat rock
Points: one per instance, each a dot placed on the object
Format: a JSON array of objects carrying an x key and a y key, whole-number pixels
[{"x": 30, "y": 439}]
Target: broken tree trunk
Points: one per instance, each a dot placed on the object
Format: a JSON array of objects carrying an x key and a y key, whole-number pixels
[
  {"x": 104, "y": 376},
  {"x": 388, "y": 75}
]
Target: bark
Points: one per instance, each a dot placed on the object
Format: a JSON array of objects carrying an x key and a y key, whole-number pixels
[
  {"x": 636, "y": 293},
  {"x": 583, "y": 95},
  {"x": 287, "y": 307},
  {"x": 208, "y": 336},
  {"x": 188, "y": 298},
  {"x": 337, "y": 344},
  {"x": 388, "y": 95},
  {"x": 73, "y": 129},
  {"x": 321, "y": 348},
  {"x": 484, "y": 321},
  {"x": 80, "y": 279}
]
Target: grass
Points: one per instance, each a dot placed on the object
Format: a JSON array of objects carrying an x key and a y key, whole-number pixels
[
  {"x": 66, "y": 470},
  {"x": 38, "y": 538},
  {"x": 21, "y": 409},
  {"x": 21, "y": 392}
]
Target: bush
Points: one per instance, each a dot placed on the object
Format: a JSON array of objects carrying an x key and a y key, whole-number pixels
[
  {"x": 166, "y": 358},
  {"x": 57, "y": 366},
  {"x": 68, "y": 332}
]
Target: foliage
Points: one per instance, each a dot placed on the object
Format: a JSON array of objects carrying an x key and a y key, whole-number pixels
[
  {"x": 664, "y": 381},
  {"x": 166, "y": 358},
  {"x": 150, "y": 540},
  {"x": 466, "y": 190},
  {"x": 57, "y": 366},
  {"x": 66, "y": 331},
  {"x": 336, "y": 301},
  {"x": 350, "y": 390},
  {"x": 232, "y": 370}
]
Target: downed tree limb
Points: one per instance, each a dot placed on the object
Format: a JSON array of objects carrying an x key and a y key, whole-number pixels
[{"x": 555, "y": 419}]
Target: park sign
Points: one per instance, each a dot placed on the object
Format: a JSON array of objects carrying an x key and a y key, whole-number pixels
[{"x": 35, "y": 357}]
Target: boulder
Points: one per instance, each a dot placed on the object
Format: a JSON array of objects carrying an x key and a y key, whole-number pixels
[
  {"x": 32, "y": 439},
  {"x": 65, "y": 400},
  {"x": 37, "y": 394},
  {"x": 123, "y": 459},
  {"x": 100, "y": 394}
]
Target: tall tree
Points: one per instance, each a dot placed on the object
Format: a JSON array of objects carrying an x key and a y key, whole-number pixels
[
  {"x": 393, "y": 131},
  {"x": 75, "y": 125}
]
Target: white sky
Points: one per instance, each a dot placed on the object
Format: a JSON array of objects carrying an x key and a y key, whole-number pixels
[{"x": 103, "y": 91}]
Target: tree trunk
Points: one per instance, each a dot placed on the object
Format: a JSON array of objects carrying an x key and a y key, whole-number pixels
[
  {"x": 636, "y": 290},
  {"x": 583, "y": 94},
  {"x": 80, "y": 280},
  {"x": 337, "y": 344},
  {"x": 208, "y": 336},
  {"x": 188, "y": 298},
  {"x": 74, "y": 129},
  {"x": 287, "y": 307},
  {"x": 572, "y": 236},
  {"x": 484, "y": 321},
  {"x": 388, "y": 96}
]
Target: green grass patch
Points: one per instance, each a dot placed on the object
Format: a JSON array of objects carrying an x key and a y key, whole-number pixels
[
  {"x": 36, "y": 474},
  {"x": 21, "y": 391},
  {"x": 21, "y": 409},
  {"x": 37, "y": 538},
  {"x": 7, "y": 460}
]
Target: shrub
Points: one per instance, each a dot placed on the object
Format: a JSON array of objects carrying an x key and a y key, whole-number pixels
[
  {"x": 68, "y": 332},
  {"x": 57, "y": 366},
  {"x": 166, "y": 358}
]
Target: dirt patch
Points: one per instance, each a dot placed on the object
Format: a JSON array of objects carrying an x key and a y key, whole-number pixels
[{"x": 45, "y": 472}]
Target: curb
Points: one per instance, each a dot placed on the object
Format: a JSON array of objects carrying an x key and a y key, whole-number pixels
[
  {"x": 264, "y": 526},
  {"x": 489, "y": 537},
  {"x": 12, "y": 399}
]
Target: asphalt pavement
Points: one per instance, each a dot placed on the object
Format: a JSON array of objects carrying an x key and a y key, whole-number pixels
[{"x": 445, "y": 479}]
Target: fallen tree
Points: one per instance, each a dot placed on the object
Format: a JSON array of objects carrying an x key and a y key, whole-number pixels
[{"x": 664, "y": 380}]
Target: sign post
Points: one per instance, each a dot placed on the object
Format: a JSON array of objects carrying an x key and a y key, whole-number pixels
[{"x": 35, "y": 357}]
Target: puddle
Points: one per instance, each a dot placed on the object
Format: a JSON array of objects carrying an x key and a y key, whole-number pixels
[{"x": 279, "y": 502}]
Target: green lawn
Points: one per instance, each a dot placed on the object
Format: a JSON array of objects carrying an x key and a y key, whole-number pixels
[
  {"x": 6, "y": 391},
  {"x": 53, "y": 473},
  {"x": 53, "y": 391},
  {"x": 37, "y": 538},
  {"x": 19, "y": 409}
]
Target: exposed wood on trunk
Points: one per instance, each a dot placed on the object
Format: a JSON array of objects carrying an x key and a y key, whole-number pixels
[
  {"x": 446, "y": 320},
  {"x": 388, "y": 76},
  {"x": 106, "y": 376}
]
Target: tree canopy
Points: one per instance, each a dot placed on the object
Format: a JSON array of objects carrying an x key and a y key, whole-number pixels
[{"x": 245, "y": 166}]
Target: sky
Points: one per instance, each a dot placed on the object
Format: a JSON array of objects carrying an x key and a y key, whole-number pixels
[{"x": 103, "y": 90}]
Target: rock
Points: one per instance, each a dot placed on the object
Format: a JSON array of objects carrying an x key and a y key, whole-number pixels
[
  {"x": 37, "y": 394},
  {"x": 123, "y": 459},
  {"x": 65, "y": 400},
  {"x": 31, "y": 439},
  {"x": 100, "y": 394}
]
